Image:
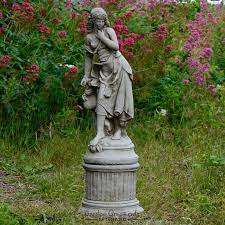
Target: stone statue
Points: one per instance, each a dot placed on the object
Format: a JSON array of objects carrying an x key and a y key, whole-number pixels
[
  {"x": 110, "y": 162},
  {"x": 107, "y": 81}
]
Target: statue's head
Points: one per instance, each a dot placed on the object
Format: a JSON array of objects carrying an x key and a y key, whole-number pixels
[
  {"x": 98, "y": 19},
  {"x": 98, "y": 13}
]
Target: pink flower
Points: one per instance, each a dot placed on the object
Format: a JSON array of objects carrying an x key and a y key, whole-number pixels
[
  {"x": 203, "y": 5},
  {"x": 211, "y": 88},
  {"x": 43, "y": 28},
  {"x": 62, "y": 34},
  {"x": 128, "y": 14},
  {"x": 121, "y": 28},
  {"x": 202, "y": 22},
  {"x": 119, "y": 21},
  {"x": 129, "y": 41},
  {"x": 5, "y": 60},
  {"x": 191, "y": 24},
  {"x": 82, "y": 27},
  {"x": 67, "y": 76},
  {"x": 199, "y": 79},
  {"x": 73, "y": 69},
  {"x": 34, "y": 68},
  {"x": 177, "y": 60},
  {"x": 206, "y": 52},
  {"x": 69, "y": 4},
  {"x": 152, "y": 4},
  {"x": 195, "y": 35},
  {"x": 1, "y": 15},
  {"x": 204, "y": 68},
  {"x": 135, "y": 36},
  {"x": 187, "y": 47},
  {"x": 161, "y": 33},
  {"x": 192, "y": 63},
  {"x": 2, "y": 29},
  {"x": 121, "y": 44},
  {"x": 223, "y": 41},
  {"x": 73, "y": 15},
  {"x": 185, "y": 81},
  {"x": 27, "y": 6},
  {"x": 169, "y": 48},
  {"x": 108, "y": 2},
  {"x": 83, "y": 30},
  {"x": 72, "y": 73},
  {"x": 56, "y": 20},
  {"x": 193, "y": 38},
  {"x": 32, "y": 73},
  {"x": 82, "y": 24},
  {"x": 15, "y": 7},
  {"x": 141, "y": 36}
]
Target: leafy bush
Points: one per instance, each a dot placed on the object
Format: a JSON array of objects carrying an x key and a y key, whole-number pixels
[{"x": 176, "y": 52}]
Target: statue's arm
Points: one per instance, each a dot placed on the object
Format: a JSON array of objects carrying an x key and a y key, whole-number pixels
[
  {"x": 87, "y": 68},
  {"x": 87, "y": 64},
  {"x": 111, "y": 42}
]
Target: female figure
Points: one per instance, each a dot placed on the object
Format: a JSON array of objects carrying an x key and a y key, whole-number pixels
[{"x": 108, "y": 80}]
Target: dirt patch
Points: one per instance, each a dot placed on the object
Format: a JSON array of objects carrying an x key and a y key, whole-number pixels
[
  {"x": 7, "y": 190},
  {"x": 15, "y": 189},
  {"x": 10, "y": 186}
]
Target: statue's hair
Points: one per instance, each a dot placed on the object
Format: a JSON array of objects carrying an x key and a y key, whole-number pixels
[{"x": 97, "y": 13}]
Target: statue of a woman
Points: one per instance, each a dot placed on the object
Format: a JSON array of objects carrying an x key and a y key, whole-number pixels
[{"x": 107, "y": 81}]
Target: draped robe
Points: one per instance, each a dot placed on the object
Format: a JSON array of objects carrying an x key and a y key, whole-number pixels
[{"x": 111, "y": 77}]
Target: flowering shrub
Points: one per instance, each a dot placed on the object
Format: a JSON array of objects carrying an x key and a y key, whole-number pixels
[
  {"x": 43, "y": 28},
  {"x": 32, "y": 73},
  {"x": 72, "y": 73},
  {"x": 4, "y": 61},
  {"x": 176, "y": 51},
  {"x": 35, "y": 39},
  {"x": 62, "y": 34}
]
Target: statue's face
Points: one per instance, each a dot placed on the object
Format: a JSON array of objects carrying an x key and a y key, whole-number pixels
[{"x": 99, "y": 23}]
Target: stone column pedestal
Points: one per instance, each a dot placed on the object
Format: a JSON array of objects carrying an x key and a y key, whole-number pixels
[{"x": 111, "y": 181}]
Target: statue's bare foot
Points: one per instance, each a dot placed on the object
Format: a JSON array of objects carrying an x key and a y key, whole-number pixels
[
  {"x": 96, "y": 140},
  {"x": 117, "y": 135},
  {"x": 96, "y": 148}
]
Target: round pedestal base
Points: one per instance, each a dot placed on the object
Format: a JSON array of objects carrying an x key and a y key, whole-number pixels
[{"x": 110, "y": 178}]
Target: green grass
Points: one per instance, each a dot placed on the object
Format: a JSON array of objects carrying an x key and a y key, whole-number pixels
[{"x": 180, "y": 179}]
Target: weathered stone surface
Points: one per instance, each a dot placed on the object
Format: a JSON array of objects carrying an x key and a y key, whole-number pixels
[
  {"x": 107, "y": 81},
  {"x": 110, "y": 163}
]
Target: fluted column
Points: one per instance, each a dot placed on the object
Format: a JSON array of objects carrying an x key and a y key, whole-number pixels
[{"x": 110, "y": 186}]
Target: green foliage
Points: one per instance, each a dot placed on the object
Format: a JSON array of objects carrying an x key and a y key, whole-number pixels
[
  {"x": 25, "y": 107},
  {"x": 29, "y": 107}
]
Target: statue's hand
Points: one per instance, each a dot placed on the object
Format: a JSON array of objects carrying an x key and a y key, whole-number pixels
[
  {"x": 84, "y": 81},
  {"x": 100, "y": 34},
  {"x": 84, "y": 97}
]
